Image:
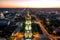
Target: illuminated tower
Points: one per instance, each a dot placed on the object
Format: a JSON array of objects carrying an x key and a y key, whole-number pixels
[
  {"x": 28, "y": 28},
  {"x": 27, "y": 33}
]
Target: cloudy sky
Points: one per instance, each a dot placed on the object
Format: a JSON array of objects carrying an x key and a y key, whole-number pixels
[{"x": 29, "y": 3}]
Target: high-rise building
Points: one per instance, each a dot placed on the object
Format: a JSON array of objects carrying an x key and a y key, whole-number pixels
[{"x": 28, "y": 28}]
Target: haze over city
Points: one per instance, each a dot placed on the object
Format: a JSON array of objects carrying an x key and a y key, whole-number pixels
[{"x": 29, "y": 3}]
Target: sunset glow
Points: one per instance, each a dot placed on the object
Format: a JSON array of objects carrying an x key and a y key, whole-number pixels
[{"x": 29, "y": 4}]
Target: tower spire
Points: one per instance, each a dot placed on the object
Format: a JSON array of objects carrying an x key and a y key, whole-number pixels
[
  {"x": 28, "y": 13},
  {"x": 28, "y": 17}
]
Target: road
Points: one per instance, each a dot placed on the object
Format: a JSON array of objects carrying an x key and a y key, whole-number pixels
[{"x": 45, "y": 33}]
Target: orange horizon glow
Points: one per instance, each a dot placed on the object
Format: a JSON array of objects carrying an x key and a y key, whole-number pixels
[{"x": 30, "y": 4}]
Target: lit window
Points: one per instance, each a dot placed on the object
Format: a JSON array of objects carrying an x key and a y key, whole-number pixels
[
  {"x": 28, "y": 34},
  {"x": 28, "y": 22},
  {"x": 28, "y": 27}
]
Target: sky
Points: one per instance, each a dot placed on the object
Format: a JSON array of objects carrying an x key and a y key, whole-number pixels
[{"x": 29, "y": 3}]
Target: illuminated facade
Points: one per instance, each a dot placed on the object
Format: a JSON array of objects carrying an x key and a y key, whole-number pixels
[
  {"x": 28, "y": 28},
  {"x": 27, "y": 34}
]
